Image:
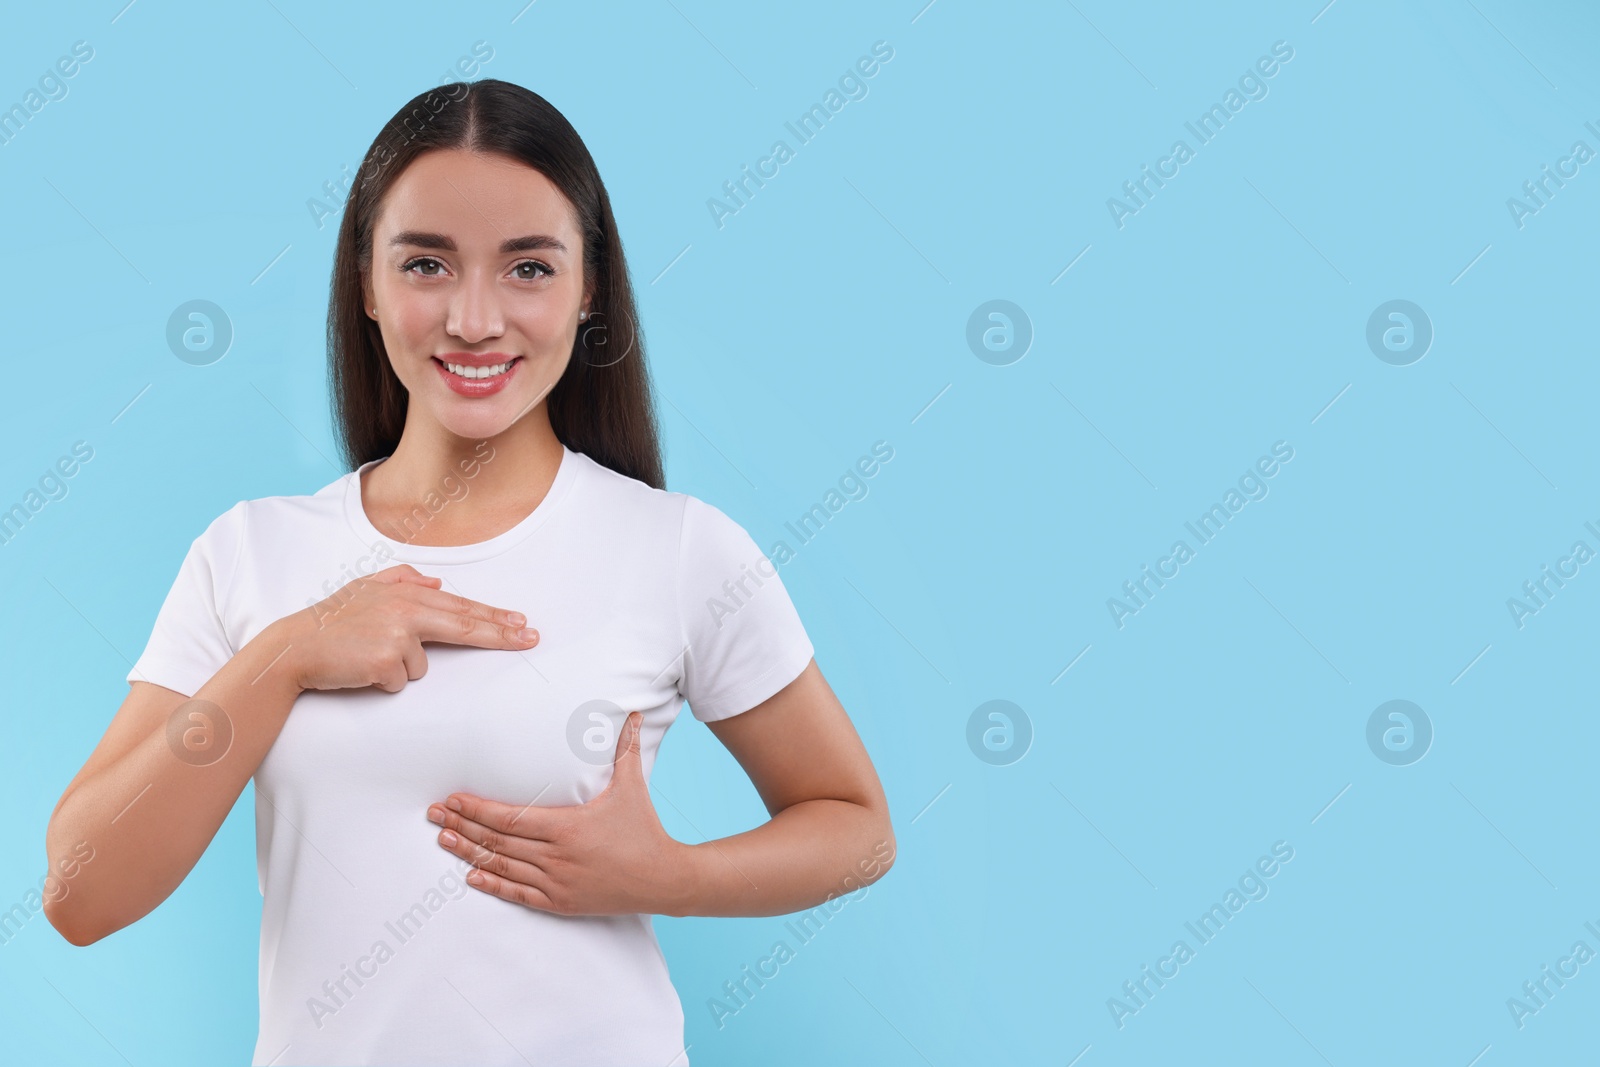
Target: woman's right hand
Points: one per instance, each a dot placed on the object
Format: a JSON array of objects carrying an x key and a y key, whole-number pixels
[{"x": 370, "y": 632}]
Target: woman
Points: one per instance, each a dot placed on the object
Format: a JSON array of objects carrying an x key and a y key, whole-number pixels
[{"x": 507, "y": 506}]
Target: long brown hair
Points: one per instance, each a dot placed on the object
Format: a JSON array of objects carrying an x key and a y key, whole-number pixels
[{"x": 601, "y": 406}]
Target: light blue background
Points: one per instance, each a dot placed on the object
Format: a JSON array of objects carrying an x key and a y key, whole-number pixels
[{"x": 1228, "y": 314}]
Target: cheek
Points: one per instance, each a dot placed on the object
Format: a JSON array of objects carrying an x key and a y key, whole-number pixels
[
  {"x": 547, "y": 325},
  {"x": 546, "y": 343},
  {"x": 409, "y": 325}
]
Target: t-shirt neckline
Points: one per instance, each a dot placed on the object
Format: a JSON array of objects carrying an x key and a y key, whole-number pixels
[{"x": 402, "y": 552}]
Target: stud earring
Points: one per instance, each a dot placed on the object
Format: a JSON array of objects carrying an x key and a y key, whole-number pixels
[{"x": 583, "y": 316}]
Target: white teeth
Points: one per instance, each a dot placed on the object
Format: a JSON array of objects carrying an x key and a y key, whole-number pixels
[{"x": 477, "y": 372}]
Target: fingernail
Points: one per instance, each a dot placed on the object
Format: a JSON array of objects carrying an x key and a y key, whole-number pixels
[
  {"x": 527, "y": 635},
  {"x": 516, "y": 618},
  {"x": 448, "y": 839},
  {"x": 453, "y": 804},
  {"x": 435, "y": 815}
]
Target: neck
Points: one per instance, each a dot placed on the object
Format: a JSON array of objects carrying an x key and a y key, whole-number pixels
[{"x": 482, "y": 478}]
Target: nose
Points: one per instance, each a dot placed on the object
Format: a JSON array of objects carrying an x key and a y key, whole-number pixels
[{"x": 475, "y": 311}]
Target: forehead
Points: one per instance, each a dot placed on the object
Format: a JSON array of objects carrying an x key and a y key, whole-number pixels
[{"x": 478, "y": 198}]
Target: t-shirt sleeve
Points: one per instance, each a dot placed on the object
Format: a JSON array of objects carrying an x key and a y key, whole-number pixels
[
  {"x": 189, "y": 643},
  {"x": 744, "y": 638}
]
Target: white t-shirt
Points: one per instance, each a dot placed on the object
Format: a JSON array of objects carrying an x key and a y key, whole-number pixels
[{"x": 373, "y": 947}]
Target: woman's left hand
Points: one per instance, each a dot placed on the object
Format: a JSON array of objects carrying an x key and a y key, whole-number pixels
[{"x": 606, "y": 857}]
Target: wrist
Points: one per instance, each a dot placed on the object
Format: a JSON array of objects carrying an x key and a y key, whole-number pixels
[
  {"x": 277, "y": 650},
  {"x": 685, "y": 884}
]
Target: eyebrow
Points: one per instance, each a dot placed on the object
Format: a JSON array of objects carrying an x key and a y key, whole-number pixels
[{"x": 530, "y": 243}]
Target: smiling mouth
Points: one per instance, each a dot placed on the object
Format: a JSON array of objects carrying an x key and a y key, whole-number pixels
[{"x": 471, "y": 373}]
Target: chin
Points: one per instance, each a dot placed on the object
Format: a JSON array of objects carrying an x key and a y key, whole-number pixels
[
  {"x": 486, "y": 417},
  {"x": 480, "y": 426}
]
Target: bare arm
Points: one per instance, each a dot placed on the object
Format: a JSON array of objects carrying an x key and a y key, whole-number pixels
[
  {"x": 148, "y": 808},
  {"x": 137, "y": 817},
  {"x": 830, "y": 831}
]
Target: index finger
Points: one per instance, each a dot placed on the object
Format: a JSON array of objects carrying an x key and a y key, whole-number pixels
[
  {"x": 460, "y": 620},
  {"x": 522, "y": 820}
]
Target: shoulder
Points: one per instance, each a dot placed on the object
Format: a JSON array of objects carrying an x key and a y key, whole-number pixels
[
  {"x": 621, "y": 497},
  {"x": 269, "y": 517},
  {"x": 695, "y": 524}
]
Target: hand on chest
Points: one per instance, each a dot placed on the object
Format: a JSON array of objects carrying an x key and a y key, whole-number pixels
[{"x": 494, "y": 723}]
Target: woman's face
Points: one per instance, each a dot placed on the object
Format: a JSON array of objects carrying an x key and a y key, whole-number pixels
[{"x": 477, "y": 262}]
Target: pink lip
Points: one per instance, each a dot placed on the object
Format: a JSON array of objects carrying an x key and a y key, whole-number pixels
[{"x": 477, "y": 386}]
